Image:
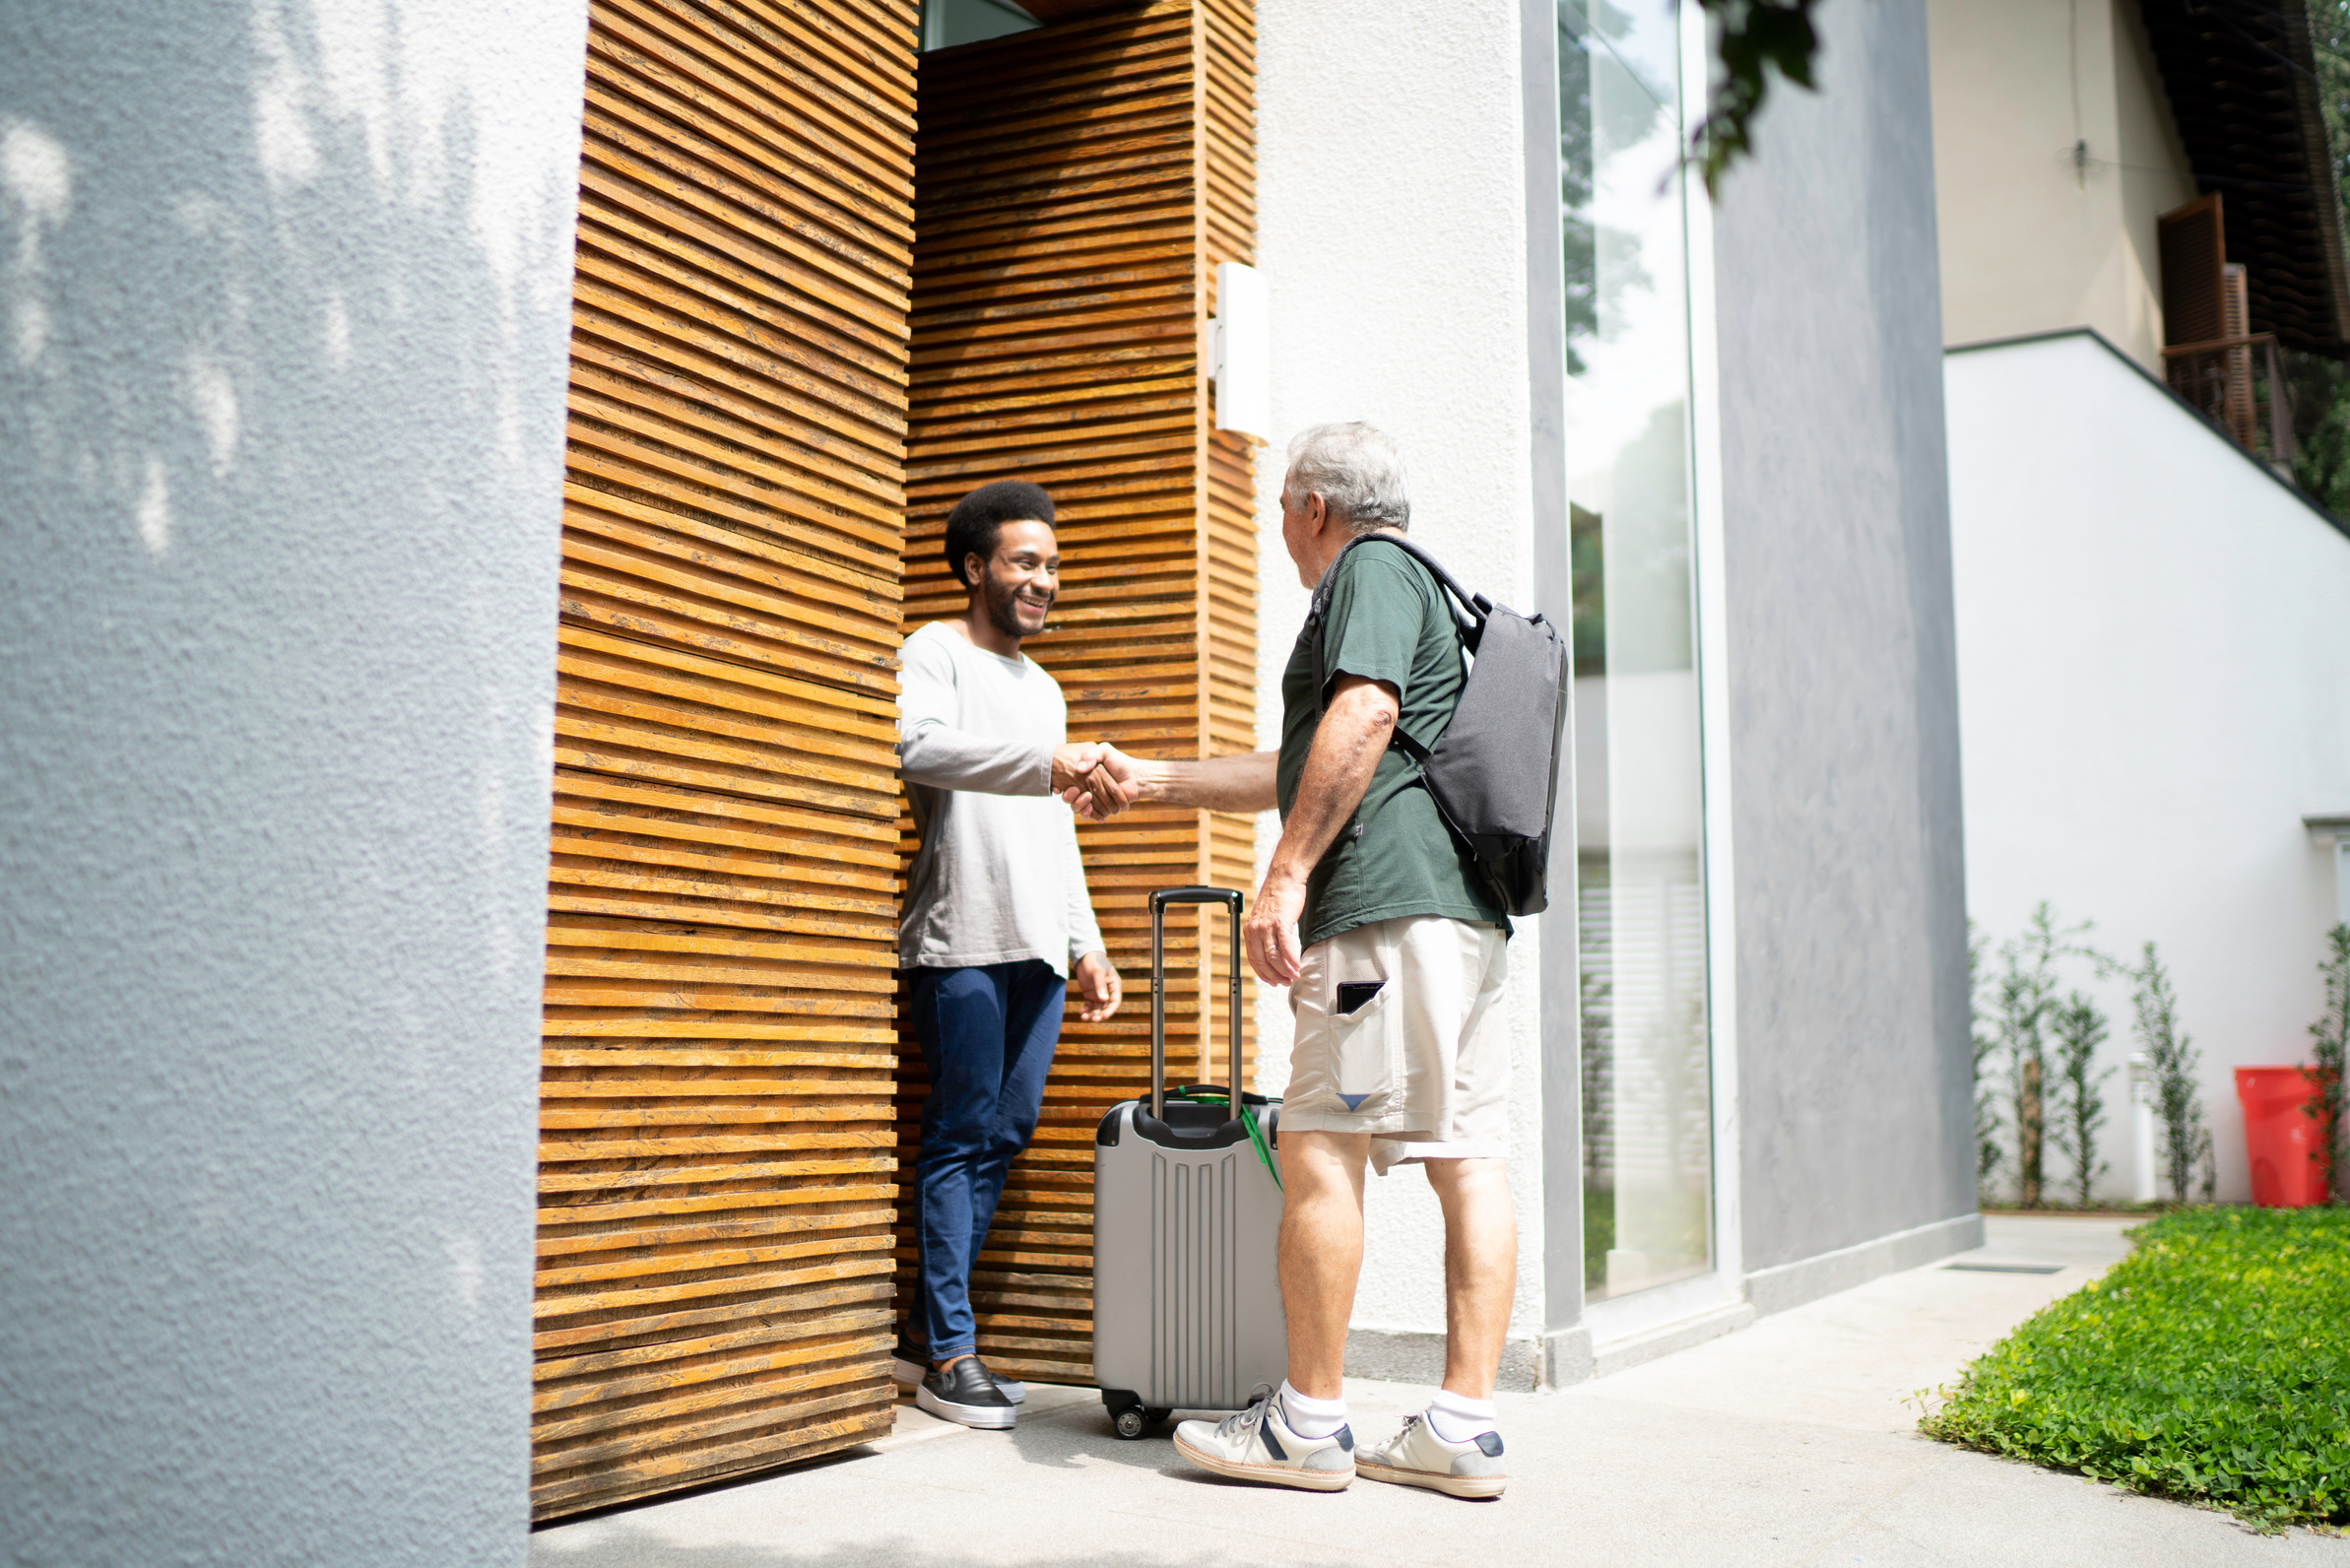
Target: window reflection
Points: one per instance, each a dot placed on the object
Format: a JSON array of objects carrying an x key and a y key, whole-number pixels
[{"x": 1647, "y": 1124}]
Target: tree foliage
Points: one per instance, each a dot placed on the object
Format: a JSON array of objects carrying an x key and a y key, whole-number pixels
[
  {"x": 2332, "y": 1035},
  {"x": 1754, "y": 41},
  {"x": 2319, "y": 387}
]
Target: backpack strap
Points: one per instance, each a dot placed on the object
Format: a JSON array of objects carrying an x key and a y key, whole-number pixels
[
  {"x": 1472, "y": 609},
  {"x": 1468, "y": 619}
]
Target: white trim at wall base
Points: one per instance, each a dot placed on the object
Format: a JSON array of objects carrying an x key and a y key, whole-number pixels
[
  {"x": 1611, "y": 1356},
  {"x": 1568, "y": 1356},
  {"x": 1627, "y": 1317},
  {"x": 1549, "y": 1361},
  {"x": 1408, "y": 1356},
  {"x": 1791, "y": 1284},
  {"x": 1566, "y": 1359}
]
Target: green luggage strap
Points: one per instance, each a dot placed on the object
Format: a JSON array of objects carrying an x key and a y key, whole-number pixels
[
  {"x": 1208, "y": 1094},
  {"x": 1248, "y": 1119}
]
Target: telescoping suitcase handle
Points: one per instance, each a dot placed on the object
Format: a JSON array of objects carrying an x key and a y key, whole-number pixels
[{"x": 1158, "y": 988}]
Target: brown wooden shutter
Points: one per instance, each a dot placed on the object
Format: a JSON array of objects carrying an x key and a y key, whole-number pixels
[
  {"x": 1076, "y": 185},
  {"x": 717, "y": 1175},
  {"x": 2191, "y": 242},
  {"x": 2207, "y": 329}
]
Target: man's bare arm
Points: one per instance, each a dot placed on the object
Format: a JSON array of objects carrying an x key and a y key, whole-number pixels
[{"x": 1243, "y": 783}]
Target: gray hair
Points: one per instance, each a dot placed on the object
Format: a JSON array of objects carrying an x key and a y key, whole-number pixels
[{"x": 1356, "y": 469}]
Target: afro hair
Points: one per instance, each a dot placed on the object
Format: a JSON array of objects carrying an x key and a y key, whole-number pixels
[{"x": 972, "y": 527}]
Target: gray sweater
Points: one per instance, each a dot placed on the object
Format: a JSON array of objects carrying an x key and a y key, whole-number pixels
[{"x": 997, "y": 879}]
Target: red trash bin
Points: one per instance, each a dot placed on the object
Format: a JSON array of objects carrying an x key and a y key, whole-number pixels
[{"x": 2280, "y": 1136}]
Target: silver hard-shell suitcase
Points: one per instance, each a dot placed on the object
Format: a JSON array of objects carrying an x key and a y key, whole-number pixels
[{"x": 1187, "y": 1206}]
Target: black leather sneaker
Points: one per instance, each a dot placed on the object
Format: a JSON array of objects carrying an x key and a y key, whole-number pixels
[
  {"x": 964, "y": 1393},
  {"x": 909, "y": 1364}
]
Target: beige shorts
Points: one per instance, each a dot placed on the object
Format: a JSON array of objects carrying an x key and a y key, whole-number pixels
[{"x": 1418, "y": 1060}]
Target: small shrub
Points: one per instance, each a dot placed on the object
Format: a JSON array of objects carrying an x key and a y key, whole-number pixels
[
  {"x": 2080, "y": 1028},
  {"x": 2210, "y": 1365},
  {"x": 2332, "y": 1035},
  {"x": 2186, "y": 1142},
  {"x": 1987, "y": 1045},
  {"x": 2024, "y": 1003}
]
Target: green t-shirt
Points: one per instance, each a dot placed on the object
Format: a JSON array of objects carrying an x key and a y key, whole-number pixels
[{"x": 1387, "y": 620}]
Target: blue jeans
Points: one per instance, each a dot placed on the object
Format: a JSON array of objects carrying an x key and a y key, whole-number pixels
[{"x": 987, "y": 1036}]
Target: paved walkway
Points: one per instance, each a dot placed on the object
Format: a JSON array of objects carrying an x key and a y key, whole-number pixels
[{"x": 1787, "y": 1443}]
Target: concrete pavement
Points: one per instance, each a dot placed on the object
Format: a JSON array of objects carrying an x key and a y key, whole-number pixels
[{"x": 1788, "y": 1443}]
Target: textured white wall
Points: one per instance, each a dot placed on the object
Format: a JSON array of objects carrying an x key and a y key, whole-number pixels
[
  {"x": 2154, "y": 682},
  {"x": 1839, "y": 706},
  {"x": 1392, "y": 234},
  {"x": 283, "y": 308}
]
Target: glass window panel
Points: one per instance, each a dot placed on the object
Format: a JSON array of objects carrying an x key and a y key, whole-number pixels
[
  {"x": 1647, "y": 1115},
  {"x": 947, "y": 23}
]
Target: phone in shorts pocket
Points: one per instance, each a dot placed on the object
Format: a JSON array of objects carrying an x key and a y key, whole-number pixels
[{"x": 1364, "y": 1022}]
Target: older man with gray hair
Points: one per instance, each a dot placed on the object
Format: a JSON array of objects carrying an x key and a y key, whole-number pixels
[{"x": 1393, "y": 955}]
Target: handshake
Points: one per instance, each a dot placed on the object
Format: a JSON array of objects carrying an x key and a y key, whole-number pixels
[{"x": 1098, "y": 781}]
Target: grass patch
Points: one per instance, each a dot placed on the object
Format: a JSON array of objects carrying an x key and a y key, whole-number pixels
[{"x": 2211, "y": 1365}]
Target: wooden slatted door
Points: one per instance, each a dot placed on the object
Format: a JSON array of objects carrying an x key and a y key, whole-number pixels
[
  {"x": 717, "y": 1171},
  {"x": 1076, "y": 187}
]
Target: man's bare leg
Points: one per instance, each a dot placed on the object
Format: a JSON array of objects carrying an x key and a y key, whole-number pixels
[
  {"x": 1481, "y": 1270},
  {"x": 1321, "y": 1254}
]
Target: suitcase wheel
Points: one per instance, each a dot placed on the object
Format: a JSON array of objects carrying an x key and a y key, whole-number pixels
[{"x": 1130, "y": 1422}]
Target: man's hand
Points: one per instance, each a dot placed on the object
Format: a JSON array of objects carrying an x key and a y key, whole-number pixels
[
  {"x": 1270, "y": 933},
  {"x": 1080, "y": 776},
  {"x": 1098, "y": 987},
  {"x": 1115, "y": 776},
  {"x": 1071, "y": 765}
]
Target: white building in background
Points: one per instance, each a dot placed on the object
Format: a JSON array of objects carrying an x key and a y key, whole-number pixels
[
  {"x": 2153, "y": 628},
  {"x": 2154, "y": 692}
]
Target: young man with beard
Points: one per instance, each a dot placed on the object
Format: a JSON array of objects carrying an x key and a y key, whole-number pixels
[{"x": 997, "y": 919}]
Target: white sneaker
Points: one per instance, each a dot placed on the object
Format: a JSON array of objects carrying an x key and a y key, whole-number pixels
[
  {"x": 1256, "y": 1445},
  {"x": 1418, "y": 1456}
]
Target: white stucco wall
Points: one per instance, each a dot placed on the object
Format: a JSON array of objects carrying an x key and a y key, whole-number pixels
[
  {"x": 285, "y": 301},
  {"x": 1392, "y": 234},
  {"x": 2154, "y": 674},
  {"x": 2031, "y": 240}
]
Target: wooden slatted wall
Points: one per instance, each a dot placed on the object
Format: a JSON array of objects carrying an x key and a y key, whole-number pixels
[
  {"x": 717, "y": 1170},
  {"x": 1075, "y": 187}
]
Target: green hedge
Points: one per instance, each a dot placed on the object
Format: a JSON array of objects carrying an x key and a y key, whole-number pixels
[{"x": 2213, "y": 1364}]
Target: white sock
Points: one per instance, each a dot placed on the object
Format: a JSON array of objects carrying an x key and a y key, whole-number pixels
[
  {"x": 1311, "y": 1417},
  {"x": 1456, "y": 1418}
]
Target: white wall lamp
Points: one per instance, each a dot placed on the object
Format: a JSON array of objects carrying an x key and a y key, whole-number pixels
[
  {"x": 1239, "y": 352},
  {"x": 2335, "y": 831},
  {"x": 2141, "y": 1129}
]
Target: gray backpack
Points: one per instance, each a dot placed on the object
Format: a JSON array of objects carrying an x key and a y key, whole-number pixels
[{"x": 1493, "y": 772}]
